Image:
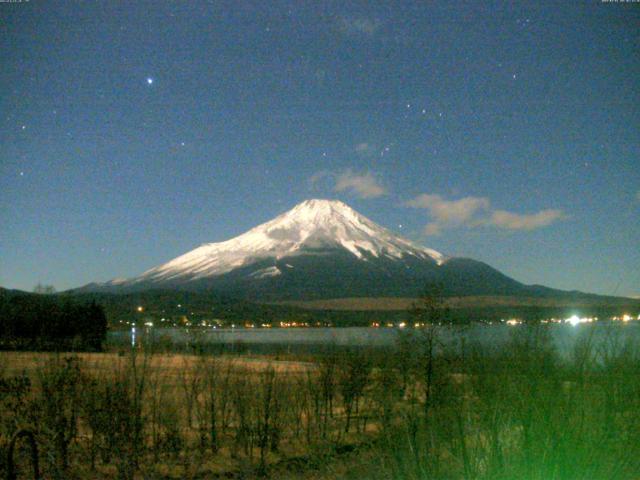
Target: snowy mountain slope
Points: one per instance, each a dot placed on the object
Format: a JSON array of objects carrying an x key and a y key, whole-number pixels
[
  {"x": 311, "y": 226},
  {"x": 322, "y": 249},
  {"x": 319, "y": 249}
]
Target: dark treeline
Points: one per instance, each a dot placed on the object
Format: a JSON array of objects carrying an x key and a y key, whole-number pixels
[{"x": 47, "y": 322}]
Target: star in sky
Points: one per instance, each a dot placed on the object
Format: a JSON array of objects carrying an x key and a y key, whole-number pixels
[{"x": 149, "y": 81}]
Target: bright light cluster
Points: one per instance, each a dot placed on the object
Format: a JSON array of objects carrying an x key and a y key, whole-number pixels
[
  {"x": 575, "y": 320},
  {"x": 293, "y": 324}
]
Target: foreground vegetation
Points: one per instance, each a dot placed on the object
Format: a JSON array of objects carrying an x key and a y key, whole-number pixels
[{"x": 422, "y": 410}]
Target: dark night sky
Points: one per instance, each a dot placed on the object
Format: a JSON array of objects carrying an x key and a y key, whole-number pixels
[{"x": 131, "y": 132}]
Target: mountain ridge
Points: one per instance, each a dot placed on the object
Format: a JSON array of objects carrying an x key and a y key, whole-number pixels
[
  {"x": 308, "y": 227},
  {"x": 323, "y": 249}
]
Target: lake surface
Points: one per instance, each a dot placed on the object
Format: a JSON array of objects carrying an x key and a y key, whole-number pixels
[{"x": 564, "y": 335}]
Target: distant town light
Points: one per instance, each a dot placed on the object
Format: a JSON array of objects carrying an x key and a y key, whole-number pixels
[
  {"x": 140, "y": 308},
  {"x": 575, "y": 320}
]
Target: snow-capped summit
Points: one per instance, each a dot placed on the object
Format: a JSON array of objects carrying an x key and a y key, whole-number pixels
[
  {"x": 321, "y": 249},
  {"x": 310, "y": 227}
]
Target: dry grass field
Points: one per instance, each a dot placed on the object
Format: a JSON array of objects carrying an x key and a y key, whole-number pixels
[
  {"x": 171, "y": 365},
  {"x": 413, "y": 411},
  {"x": 169, "y": 415}
]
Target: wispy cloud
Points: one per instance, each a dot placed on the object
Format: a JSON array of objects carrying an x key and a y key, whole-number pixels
[
  {"x": 515, "y": 221},
  {"x": 432, "y": 229},
  {"x": 365, "y": 149},
  {"x": 450, "y": 212},
  {"x": 475, "y": 212},
  {"x": 318, "y": 176},
  {"x": 358, "y": 25},
  {"x": 362, "y": 185}
]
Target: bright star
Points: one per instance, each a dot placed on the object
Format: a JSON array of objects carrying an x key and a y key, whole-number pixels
[{"x": 149, "y": 81}]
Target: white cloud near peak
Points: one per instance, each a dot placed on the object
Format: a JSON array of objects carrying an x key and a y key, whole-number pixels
[
  {"x": 362, "y": 185},
  {"x": 365, "y": 149},
  {"x": 358, "y": 25},
  {"x": 318, "y": 176},
  {"x": 432, "y": 229},
  {"x": 515, "y": 221},
  {"x": 476, "y": 211},
  {"x": 450, "y": 212}
]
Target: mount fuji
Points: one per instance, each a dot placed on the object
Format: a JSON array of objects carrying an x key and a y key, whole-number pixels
[{"x": 321, "y": 249}]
